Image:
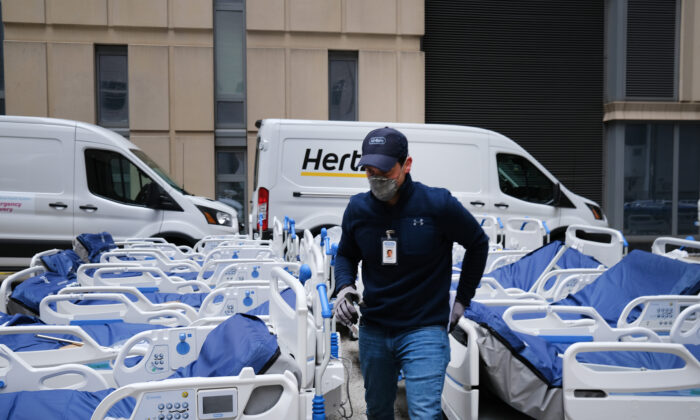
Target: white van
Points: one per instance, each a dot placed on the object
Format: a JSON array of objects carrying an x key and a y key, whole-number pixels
[
  {"x": 308, "y": 170},
  {"x": 61, "y": 178}
]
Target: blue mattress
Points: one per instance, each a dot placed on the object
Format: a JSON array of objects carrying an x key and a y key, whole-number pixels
[
  {"x": 238, "y": 342},
  {"x": 542, "y": 356},
  {"x": 523, "y": 273},
  {"x": 638, "y": 274}
]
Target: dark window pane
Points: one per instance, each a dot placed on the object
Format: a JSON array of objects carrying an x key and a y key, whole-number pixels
[
  {"x": 648, "y": 184},
  {"x": 233, "y": 194},
  {"x": 688, "y": 179},
  {"x": 519, "y": 178},
  {"x": 342, "y": 88},
  {"x": 229, "y": 113},
  {"x": 230, "y": 163},
  {"x": 228, "y": 49},
  {"x": 111, "y": 175},
  {"x": 112, "y": 86}
]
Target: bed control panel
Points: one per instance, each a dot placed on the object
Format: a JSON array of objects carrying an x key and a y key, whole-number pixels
[
  {"x": 169, "y": 353},
  {"x": 217, "y": 403},
  {"x": 660, "y": 315},
  {"x": 167, "y": 405},
  {"x": 158, "y": 360}
]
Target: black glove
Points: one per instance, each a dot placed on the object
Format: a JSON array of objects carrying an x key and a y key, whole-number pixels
[
  {"x": 457, "y": 313},
  {"x": 344, "y": 310}
]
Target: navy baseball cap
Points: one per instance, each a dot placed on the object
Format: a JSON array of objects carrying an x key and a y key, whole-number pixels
[{"x": 382, "y": 148}]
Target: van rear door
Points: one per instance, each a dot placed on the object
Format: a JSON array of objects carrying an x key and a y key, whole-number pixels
[
  {"x": 36, "y": 187},
  {"x": 111, "y": 193}
]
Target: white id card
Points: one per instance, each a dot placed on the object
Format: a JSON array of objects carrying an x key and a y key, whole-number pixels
[{"x": 389, "y": 251}]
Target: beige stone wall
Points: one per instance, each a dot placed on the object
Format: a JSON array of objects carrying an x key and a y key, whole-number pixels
[
  {"x": 25, "y": 85},
  {"x": 50, "y": 71},
  {"x": 287, "y": 59},
  {"x": 49, "y": 50},
  {"x": 689, "y": 57}
]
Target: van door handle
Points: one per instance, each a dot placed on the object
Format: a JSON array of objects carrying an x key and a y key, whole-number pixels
[
  {"x": 58, "y": 205},
  {"x": 501, "y": 205},
  {"x": 88, "y": 208},
  {"x": 477, "y": 203}
]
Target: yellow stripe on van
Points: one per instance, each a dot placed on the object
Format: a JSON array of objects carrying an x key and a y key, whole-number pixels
[{"x": 337, "y": 174}]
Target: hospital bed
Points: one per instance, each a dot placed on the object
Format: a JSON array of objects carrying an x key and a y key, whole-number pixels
[
  {"x": 614, "y": 300},
  {"x": 302, "y": 340},
  {"x": 556, "y": 270},
  {"x": 687, "y": 250}
]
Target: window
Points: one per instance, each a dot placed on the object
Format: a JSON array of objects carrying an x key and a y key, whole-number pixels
[
  {"x": 519, "y": 178},
  {"x": 112, "y": 86},
  {"x": 230, "y": 107},
  {"x": 230, "y": 179},
  {"x": 342, "y": 85},
  {"x": 2, "y": 65},
  {"x": 648, "y": 184},
  {"x": 111, "y": 175},
  {"x": 688, "y": 178},
  {"x": 229, "y": 57}
]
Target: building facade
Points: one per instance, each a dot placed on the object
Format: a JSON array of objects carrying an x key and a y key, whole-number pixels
[
  {"x": 186, "y": 80},
  {"x": 605, "y": 93}
]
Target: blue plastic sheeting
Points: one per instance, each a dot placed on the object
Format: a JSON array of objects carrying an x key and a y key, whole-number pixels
[
  {"x": 192, "y": 299},
  {"x": 31, "y": 291},
  {"x": 64, "y": 263},
  {"x": 264, "y": 308},
  {"x": 59, "y": 405},
  {"x": 96, "y": 243},
  {"x": 106, "y": 334},
  {"x": 523, "y": 273},
  {"x": 638, "y": 274},
  {"x": 542, "y": 357},
  {"x": 238, "y": 342}
]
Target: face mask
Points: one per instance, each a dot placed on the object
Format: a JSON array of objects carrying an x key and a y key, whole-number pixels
[{"x": 383, "y": 188}]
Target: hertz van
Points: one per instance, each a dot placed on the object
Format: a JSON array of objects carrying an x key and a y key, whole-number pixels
[
  {"x": 308, "y": 170},
  {"x": 61, "y": 178}
]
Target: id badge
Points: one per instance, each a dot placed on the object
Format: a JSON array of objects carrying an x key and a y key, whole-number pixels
[{"x": 389, "y": 249}]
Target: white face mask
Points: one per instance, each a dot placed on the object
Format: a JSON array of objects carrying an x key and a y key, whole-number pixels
[{"x": 383, "y": 188}]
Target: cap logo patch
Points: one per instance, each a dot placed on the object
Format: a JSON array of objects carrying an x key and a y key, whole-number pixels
[{"x": 377, "y": 140}]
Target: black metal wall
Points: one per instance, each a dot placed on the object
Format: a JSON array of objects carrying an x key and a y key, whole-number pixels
[
  {"x": 529, "y": 69},
  {"x": 651, "y": 49}
]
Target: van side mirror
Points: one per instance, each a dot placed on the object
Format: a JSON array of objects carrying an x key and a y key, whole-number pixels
[
  {"x": 158, "y": 199},
  {"x": 556, "y": 193}
]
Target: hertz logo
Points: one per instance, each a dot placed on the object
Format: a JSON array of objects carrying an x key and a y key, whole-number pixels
[{"x": 332, "y": 163}]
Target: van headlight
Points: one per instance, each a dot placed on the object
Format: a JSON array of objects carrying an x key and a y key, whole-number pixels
[
  {"x": 597, "y": 212},
  {"x": 216, "y": 217}
]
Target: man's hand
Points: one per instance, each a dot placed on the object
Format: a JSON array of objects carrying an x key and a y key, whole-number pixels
[
  {"x": 344, "y": 310},
  {"x": 457, "y": 313}
]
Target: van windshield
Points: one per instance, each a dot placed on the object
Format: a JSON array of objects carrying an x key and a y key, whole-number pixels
[{"x": 157, "y": 169}]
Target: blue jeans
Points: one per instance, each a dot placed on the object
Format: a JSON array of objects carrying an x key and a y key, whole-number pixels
[{"x": 422, "y": 355}]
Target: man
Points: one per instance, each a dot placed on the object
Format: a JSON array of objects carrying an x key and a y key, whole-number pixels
[{"x": 403, "y": 232}]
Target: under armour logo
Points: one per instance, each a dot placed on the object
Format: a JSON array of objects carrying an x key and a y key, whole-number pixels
[{"x": 417, "y": 222}]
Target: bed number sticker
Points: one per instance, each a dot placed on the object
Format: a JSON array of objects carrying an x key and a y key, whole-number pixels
[{"x": 389, "y": 246}]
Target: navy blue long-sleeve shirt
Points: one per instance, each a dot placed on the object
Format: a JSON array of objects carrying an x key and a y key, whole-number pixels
[{"x": 415, "y": 292}]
